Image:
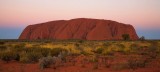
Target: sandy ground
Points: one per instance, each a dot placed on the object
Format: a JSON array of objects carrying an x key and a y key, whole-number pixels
[{"x": 14, "y": 66}]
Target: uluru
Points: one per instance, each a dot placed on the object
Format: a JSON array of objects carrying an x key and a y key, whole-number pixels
[{"x": 79, "y": 28}]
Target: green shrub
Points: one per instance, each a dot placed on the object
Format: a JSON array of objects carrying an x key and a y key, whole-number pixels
[
  {"x": 120, "y": 46},
  {"x": 108, "y": 52},
  {"x": 8, "y": 55},
  {"x": 106, "y": 44},
  {"x": 24, "y": 58},
  {"x": 151, "y": 51},
  {"x": 80, "y": 41},
  {"x": 21, "y": 45},
  {"x": 30, "y": 57},
  {"x": 84, "y": 52},
  {"x": 99, "y": 50},
  {"x": 45, "y": 51},
  {"x": 5, "y": 56},
  {"x": 17, "y": 49},
  {"x": 126, "y": 37},
  {"x": 134, "y": 47},
  {"x": 142, "y": 38},
  {"x": 56, "y": 51}
]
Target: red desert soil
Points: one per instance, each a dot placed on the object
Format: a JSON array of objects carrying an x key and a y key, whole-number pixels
[
  {"x": 14, "y": 66},
  {"x": 81, "y": 28}
]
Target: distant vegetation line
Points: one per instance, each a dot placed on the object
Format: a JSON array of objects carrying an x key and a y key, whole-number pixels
[{"x": 15, "y": 40}]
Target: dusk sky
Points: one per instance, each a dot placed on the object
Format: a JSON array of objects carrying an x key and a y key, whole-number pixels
[{"x": 15, "y": 15}]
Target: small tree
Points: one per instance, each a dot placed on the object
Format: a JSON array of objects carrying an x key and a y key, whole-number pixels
[
  {"x": 126, "y": 37},
  {"x": 142, "y": 38}
]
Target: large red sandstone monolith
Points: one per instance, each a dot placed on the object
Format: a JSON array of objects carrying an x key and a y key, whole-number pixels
[{"x": 81, "y": 28}]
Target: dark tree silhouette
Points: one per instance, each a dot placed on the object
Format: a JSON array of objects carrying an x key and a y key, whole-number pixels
[
  {"x": 142, "y": 38},
  {"x": 126, "y": 37}
]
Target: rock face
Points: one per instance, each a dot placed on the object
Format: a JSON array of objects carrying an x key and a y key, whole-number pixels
[{"x": 80, "y": 28}]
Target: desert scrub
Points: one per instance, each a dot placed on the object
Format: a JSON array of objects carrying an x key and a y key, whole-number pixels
[
  {"x": 126, "y": 37},
  {"x": 81, "y": 41},
  {"x": 21, "y": 45},
  {"x": 17, "y": 49},
  {"x": 120, "y": 66},
  {"x": 73, "y": 51},
  {"x": 49, "y": 61},
  {"x": 153, "y": 49},
  {"x": 45, "y": 51},
  {"x": 30, "y": 57},
  {"x": 56, "y": 51},
  {"x": 108, "y": 51},
  {"x": 136, "y": 63},
  {"x": 121, "y": 47},
  {"x": 87, "y": 51},
  {"x": 2, "y": 47},
  {"x": 99, "y": 50},
  {"x": 134, "y": 48},
  {"x": 9, "y": 55},
  {"x": 107, "y": 44},
  {"x": 45, "y": 62},
  {"x": 2, "y": 43}
]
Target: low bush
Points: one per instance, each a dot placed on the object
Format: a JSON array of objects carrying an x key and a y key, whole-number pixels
[
  {"x": 80, "y": 41},
  {"x": 84, "y": 52},
  {"x": 49, "y": 61},
  {"x": 56, "y": 51},
  {"x": 106, "y": 44},
  {"x": 21, "y": 45},
  {"x": 30, "y": 57},
  {"x": 2, "y": 47},
  {"x": 134, "y": 48},
  {"x": 120, "y": 46},
  {"x": 45, "y": 62},
  {"x": 45, "y": 52},
  {"x": 126, "y": 37},
  {"x": 153, "y": 50},
  {"x": 99, "y": 50},
  {"x": 108, "y": 52},
  {"x": 2, "y": 43},
  {"x": 136, "y": 63},
  {"x": 9, "y": 55}
]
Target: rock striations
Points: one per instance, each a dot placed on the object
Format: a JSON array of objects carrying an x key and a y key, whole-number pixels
[{"x": 80, "y": 28}]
